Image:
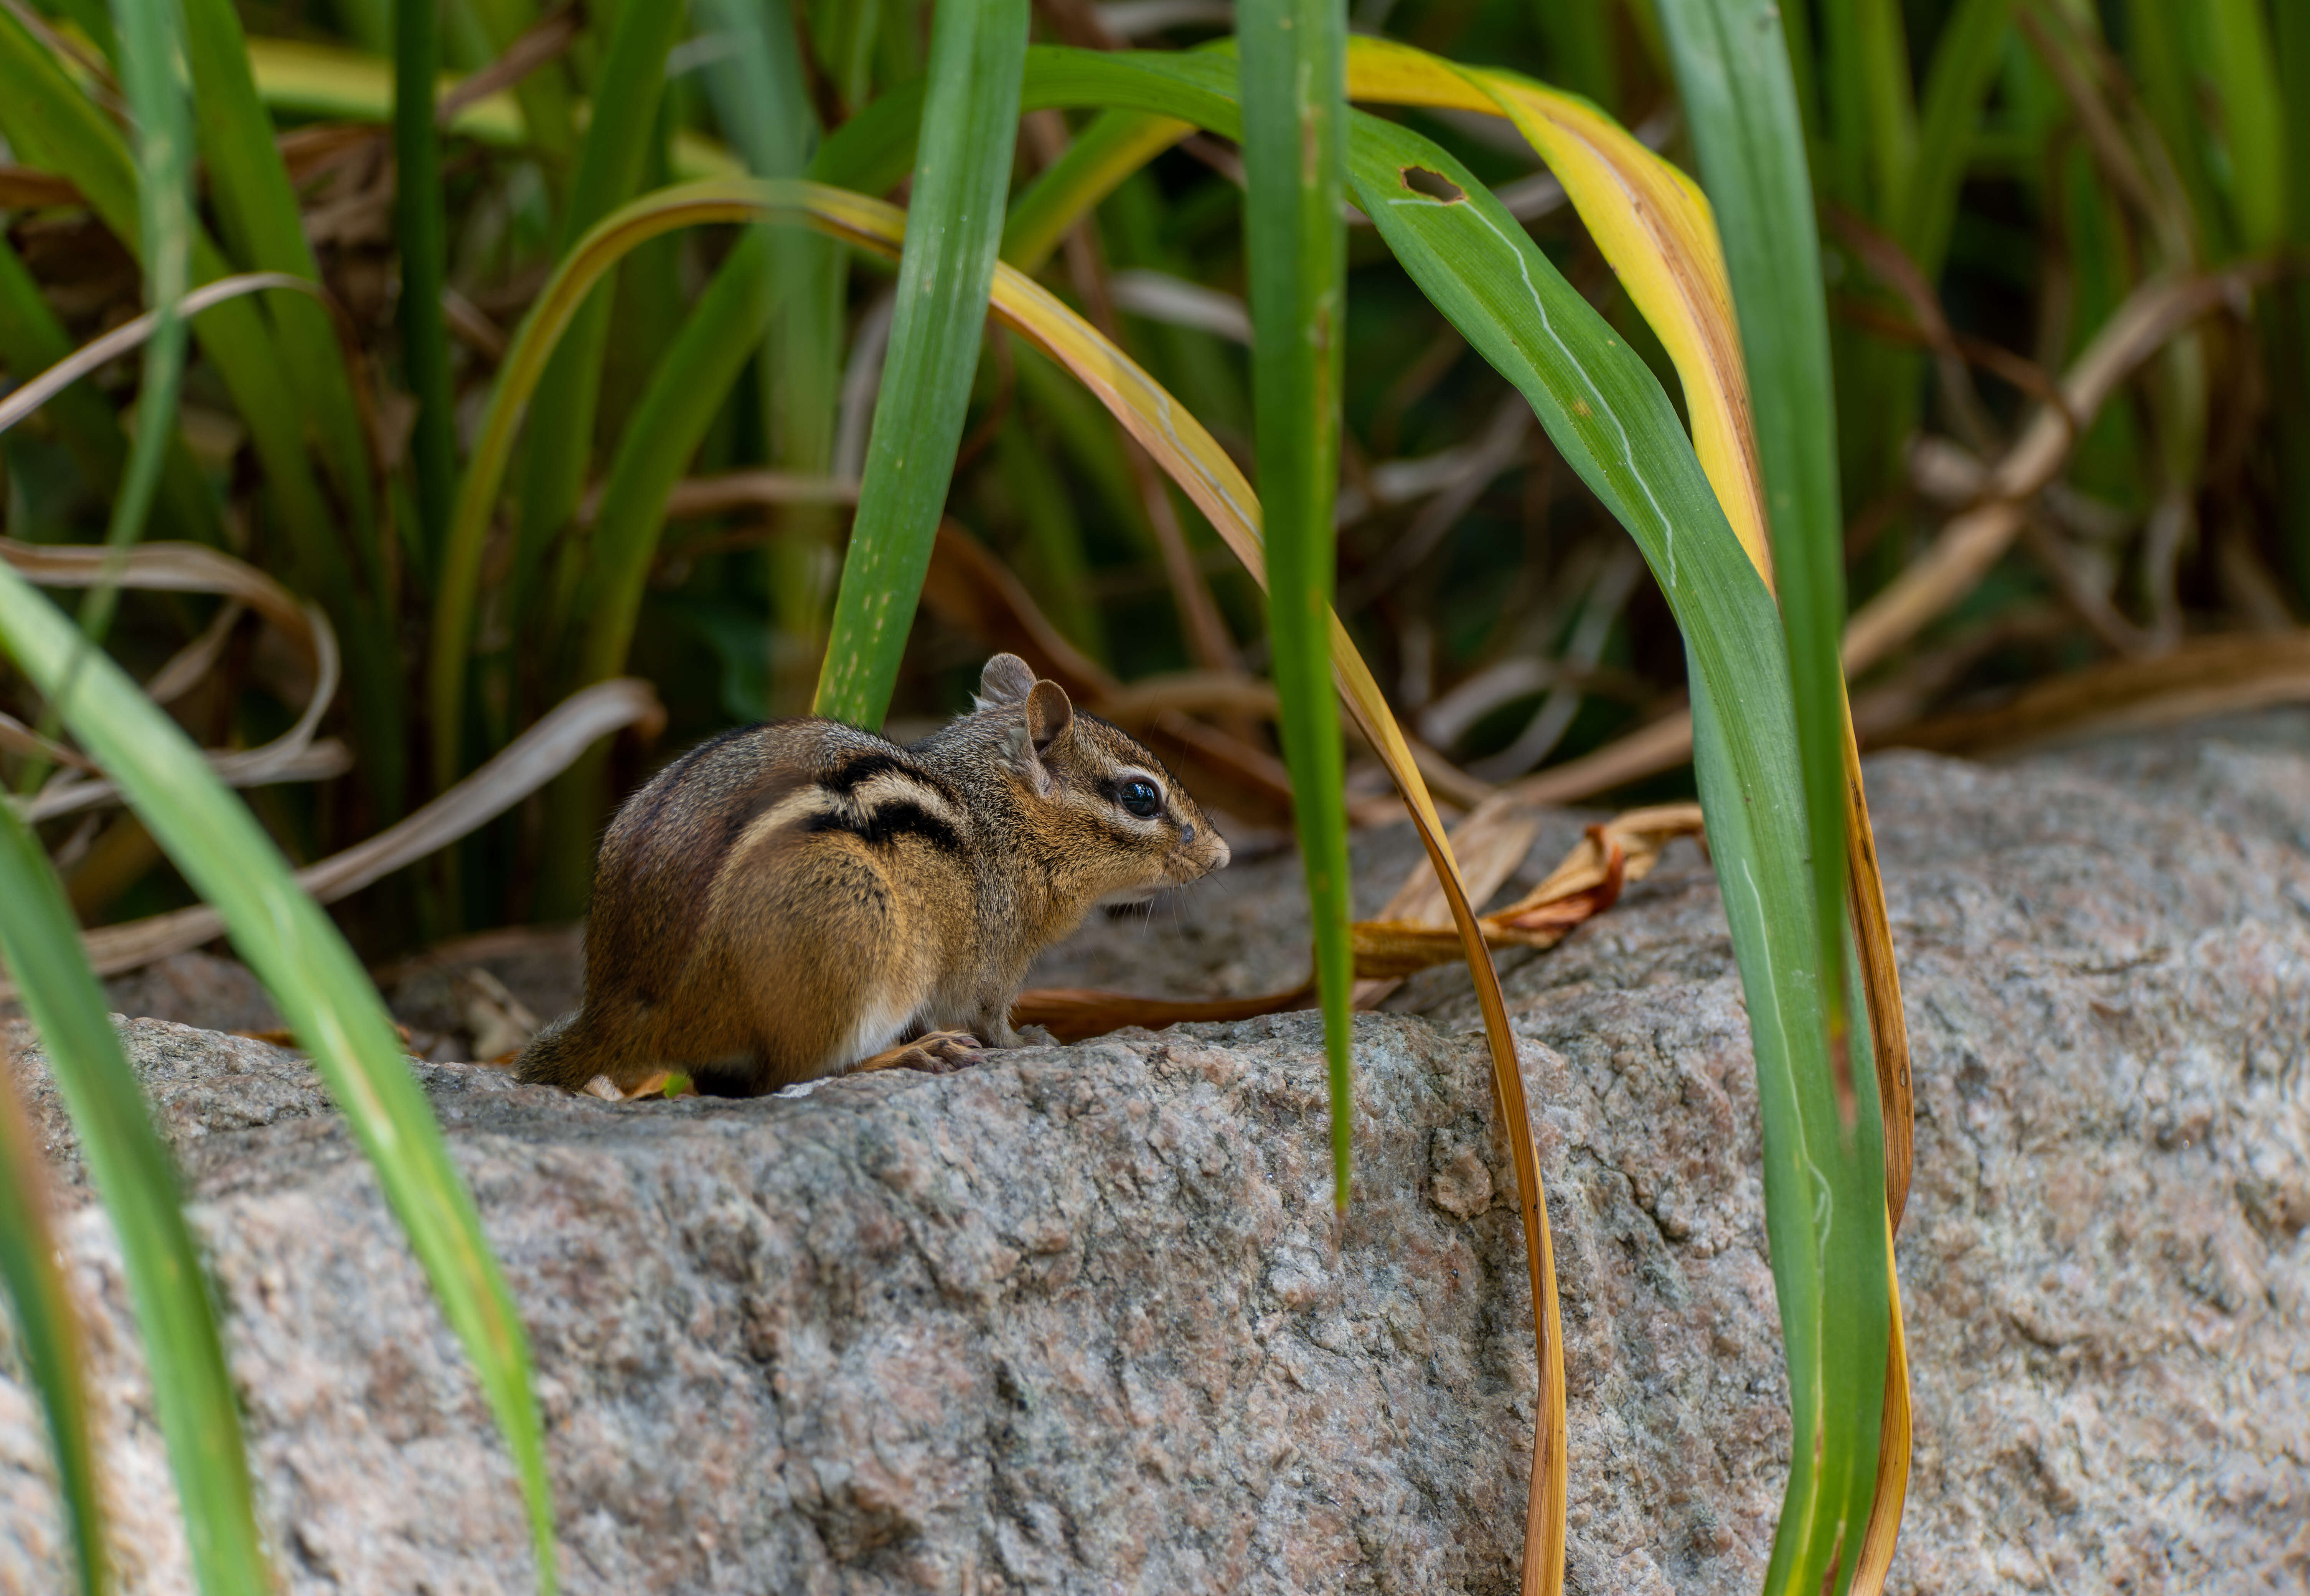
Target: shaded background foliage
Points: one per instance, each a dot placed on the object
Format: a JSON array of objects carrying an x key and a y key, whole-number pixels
[{"x": 1995, "y": 178}]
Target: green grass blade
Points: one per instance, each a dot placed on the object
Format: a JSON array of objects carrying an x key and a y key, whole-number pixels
[
  {"x": 845, "y": 36},
  {"x": 1965, "y": 63},
  {"x": 1867, "y": 164},
  {"x": 1732, "y": 69},
  {"x": 320, "y": 989},
  {"x": 548, "y": 107},
  {"x": 970, "y": 122},
  {"x": 94, "y": 19},
  {"x": 421, "y": 225},
  {"x": 1293, "y": 70},
  {"x": 1872, "y": 117},
  {"x": 758, "y": 91},
  {"x": 2158, "y": 36},
  {"x": 256, "y": 209},
  {"x": 801, "y": 387},
  {"x": 2290, "y": 346},
  {"x": 1741, "y": 103},
  {"x": 2291, "y": 48},
  {"x": 561, "y": 436},
  {"x": 191, "y": 1389},
  {"x": 2242, "y": 57},
  {"x": 48, "y": 1329},
  {"x": 872, "y": 151},
  {"x": 151, "y": 39},
  {"x": 1611, "y": 421}
]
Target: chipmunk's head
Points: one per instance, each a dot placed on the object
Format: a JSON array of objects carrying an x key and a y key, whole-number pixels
[{"x": 1116, "y": 823}]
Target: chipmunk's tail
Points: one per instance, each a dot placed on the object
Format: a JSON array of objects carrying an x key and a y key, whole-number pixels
[{"x": 564, "y": 1054}]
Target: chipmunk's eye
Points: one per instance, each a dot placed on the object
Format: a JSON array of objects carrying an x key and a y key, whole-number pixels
[{"x": 1140, "y": 796}]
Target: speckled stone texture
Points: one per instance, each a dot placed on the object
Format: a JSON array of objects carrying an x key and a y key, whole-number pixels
[{"x": 1079, "y": 1320}]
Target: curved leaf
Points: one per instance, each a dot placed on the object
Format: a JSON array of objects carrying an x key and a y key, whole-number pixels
[
  {"x": 151, "y": 39},
  {"x": 1613, "y": 425},
  {"x": 1651, "y": 223}
]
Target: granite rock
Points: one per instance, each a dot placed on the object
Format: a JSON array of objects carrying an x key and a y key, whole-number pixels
[{"x": 1081, "y": 1319}]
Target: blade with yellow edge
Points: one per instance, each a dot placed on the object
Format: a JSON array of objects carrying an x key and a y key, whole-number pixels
[{"x": 1653, "y": 226}]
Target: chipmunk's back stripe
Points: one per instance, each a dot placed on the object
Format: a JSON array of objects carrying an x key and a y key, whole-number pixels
[
  {"x": 888, "y": 820},
  {"x": 852, "y": 774},
  {"x": 845, "y": 776}
]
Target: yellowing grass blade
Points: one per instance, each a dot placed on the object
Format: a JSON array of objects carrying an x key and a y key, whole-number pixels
[
  {"x": 1208, "y": 476},
  {"x": 1875, "y": 1559},
  {"x": 1651, "y": 222},
  {"x": 48, "y": 1331}
]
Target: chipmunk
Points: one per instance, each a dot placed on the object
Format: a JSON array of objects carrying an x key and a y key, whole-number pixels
[{"x": 801, "y": 898}]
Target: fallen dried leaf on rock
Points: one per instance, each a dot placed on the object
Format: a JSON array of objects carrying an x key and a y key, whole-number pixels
[{"x": 1588, "y": 882}]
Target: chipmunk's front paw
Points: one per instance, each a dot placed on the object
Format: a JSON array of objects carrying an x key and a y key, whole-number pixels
[
  {"x": 935, "y": 1053},
  {"x": 941, "y": 1053}
]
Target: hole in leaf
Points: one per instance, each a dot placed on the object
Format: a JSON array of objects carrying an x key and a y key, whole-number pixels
[{"x": 1434, "y": 185}]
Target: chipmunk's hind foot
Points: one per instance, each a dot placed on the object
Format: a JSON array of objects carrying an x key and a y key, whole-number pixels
[
  {"x": 570, "y": 1053},
  {"x": 934, "y": 1053}
]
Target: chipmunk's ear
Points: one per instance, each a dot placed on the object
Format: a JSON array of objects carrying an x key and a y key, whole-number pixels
[
  {"x": 1006, "y": 679},
  {"x": 1049, "y": 714}
]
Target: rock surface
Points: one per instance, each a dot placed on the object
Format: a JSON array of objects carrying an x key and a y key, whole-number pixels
[{"x": 1079, "y": 1320}]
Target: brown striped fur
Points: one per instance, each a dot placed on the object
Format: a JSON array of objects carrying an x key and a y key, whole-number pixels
[{"x": 785, "y": 901}]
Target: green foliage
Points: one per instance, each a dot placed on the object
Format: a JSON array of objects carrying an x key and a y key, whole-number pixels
[
  {"x": 1295, "y": 111},
  {"x": 420, "y": 220},
  {"x": 955, "y": 226},
  {"x": 151, "y": 39},
  {"x": 327, "y": 997}
]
